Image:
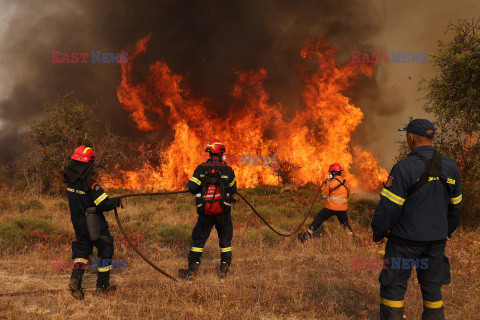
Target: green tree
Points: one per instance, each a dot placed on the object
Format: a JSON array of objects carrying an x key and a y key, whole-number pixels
[
  {"x": 65, "y": 124},
  {"x": 453, "y": 97}
]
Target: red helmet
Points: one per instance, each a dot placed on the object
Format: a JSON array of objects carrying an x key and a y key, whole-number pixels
[
  {"x": 215, "y": 146},
  {"x": 83, "y": 154},
  {"x": 335, "y": 167}
]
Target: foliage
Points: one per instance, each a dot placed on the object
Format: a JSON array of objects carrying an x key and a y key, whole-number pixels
[
  {"x": 31, "y": 204},
  {"x": 65, "y": 124},
  {"x": 361, "y": 210},
  {"x": 176, "y": 235},
  {"x": 264, "y": 234},
  {"x": 453, "y": 96},
  {"x": 20, "y": 232},
  {"x": 402, "y": 145},
  {"x": 12, "y": 236}
]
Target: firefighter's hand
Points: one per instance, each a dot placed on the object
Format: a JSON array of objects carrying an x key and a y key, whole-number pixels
[
  {"x": 380, "y": 242},
  {"x": 120, "y": 204}
]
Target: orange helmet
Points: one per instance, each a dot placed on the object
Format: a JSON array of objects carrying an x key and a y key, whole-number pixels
[
  {"x": 83, "y": 154},
  {"x": 335, "y": 167},
  {"x": 215, "y": 146}
]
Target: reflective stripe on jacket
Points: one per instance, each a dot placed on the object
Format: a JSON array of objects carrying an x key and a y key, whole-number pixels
[{"x": 337, "y": 198}]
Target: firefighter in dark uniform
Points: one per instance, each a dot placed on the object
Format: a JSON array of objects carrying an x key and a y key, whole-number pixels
[
  {"x": 335, "y": 189},
  {"x": 419, "y": 209},
  {"x": 85, "y": 195},
  {"x": 213, "y": 184}
]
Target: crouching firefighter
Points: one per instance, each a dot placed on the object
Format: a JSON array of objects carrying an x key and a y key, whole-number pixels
[
  {"x": 87, "y": 202},
  {"x": 419, "y": 209},
  {"x": 335, "y": 189},
  {"x": 213, "y": 184}
]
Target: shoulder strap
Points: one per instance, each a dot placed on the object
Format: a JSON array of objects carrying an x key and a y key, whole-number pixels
[
  {"x": 80, "y": 203},
  {"x": 340, "y": 184},
  {"x": 433, "y": 169}
]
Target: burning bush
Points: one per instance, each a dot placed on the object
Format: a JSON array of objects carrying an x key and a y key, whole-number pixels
[{"x": 285, "y": 171}]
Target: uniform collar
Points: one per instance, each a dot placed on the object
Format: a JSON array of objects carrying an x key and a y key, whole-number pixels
[{"x": 421, "y": 148}]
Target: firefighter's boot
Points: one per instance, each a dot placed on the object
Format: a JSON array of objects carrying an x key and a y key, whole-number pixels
[
  {"x": 103, "y": 283},
  {"x": 304, "y": 237},
  {"x": 390, "y": 313},
  {"x": 190, "y": 273},
  {"x": 75, "y": 288},
  {"x": 433, "y": 314},
  {"x": 224, "y": 268}
]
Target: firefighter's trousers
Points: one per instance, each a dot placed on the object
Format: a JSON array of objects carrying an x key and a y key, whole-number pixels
[
  {"x": 325, "y": 214},
  {"x": 82, "y": 248},
  {"x": 433, "y": 271},
  {"x": 201, "y": 232}
]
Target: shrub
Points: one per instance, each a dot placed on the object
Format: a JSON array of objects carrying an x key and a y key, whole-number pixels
[
  {"x": 264, "y": 234},
  {"x": 12, "y": 236},
  {"x": 32, "y": 204},
  {"x": 61, "y": 204},
  {"x": 146, "y": 214},
  {"x": 36, "y": 223},
  {"x": 361, "y": 211},
  {"x": 176, "y": 235},
  {"x": 6, "y": 204}
]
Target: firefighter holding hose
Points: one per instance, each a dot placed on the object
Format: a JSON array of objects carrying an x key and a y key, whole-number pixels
[
  {"x": 213, "y": 184},
  {"x": 335, "y": 189},
  {"x": 87, "y": 202}
]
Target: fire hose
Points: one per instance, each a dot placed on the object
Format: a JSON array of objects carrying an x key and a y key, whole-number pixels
[
  {"x": 272, "y": 228},
  {"x": 185, "y": 191},
  {"x": 130, "y": 241},
  {"x": 148, "y": 260}
]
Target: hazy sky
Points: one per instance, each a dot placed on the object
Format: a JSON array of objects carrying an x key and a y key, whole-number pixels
[{"x": 206, "y": 41}]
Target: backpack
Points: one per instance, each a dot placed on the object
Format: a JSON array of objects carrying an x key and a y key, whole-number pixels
[{"x": 213, "y": 199}]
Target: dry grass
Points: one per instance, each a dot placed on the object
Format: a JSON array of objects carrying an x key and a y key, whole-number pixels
[{"x": 272, "y": 278}]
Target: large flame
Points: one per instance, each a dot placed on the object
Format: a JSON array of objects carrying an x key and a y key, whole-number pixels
[{"x": 316, "y": 136}]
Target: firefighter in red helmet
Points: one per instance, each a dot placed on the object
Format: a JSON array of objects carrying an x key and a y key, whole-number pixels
[
  {"x": 214, "y": 184},
  {"x": 335, "y": 189},
  {"x": 87, "y": 202}
]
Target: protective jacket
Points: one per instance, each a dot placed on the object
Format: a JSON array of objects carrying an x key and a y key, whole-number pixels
[
  {"x": 205, "y": 223},
  {"x": 228, "y": 176},
  {"x": 430, "y": 213},
  {"x": 79, "y": 199},
  {"x": 337, "y": 192}
]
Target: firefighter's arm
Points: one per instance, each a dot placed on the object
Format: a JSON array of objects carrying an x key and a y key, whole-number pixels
[
  {"x": 232, "y": 183},
  {"x": 101, "y": 199},
  {"x": 456, "y": 204},
  {"x": 195, "y": 182},
  {"x": 389, "y": 208},
  {"x": 326, "y": 188}
]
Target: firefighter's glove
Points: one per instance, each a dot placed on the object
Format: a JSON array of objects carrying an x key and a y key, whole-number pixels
[{"x": 118, "y": 201}]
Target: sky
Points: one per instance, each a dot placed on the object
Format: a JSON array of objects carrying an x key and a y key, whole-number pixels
[{"x": 206, "y": 41}]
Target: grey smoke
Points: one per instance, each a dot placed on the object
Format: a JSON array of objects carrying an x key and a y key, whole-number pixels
[{"x": 205, "y": 41}]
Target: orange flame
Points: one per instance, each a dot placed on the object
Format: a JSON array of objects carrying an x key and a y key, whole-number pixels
[{"x": 316, "y": 136}]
